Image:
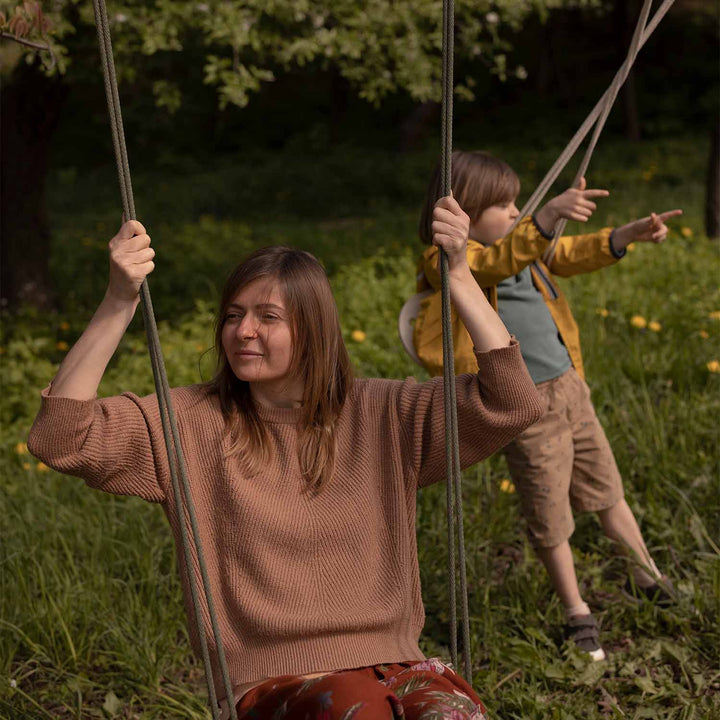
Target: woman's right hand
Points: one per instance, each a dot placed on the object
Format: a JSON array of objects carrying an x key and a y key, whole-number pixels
[
  {"x": 131, "y": 261},
  {"x": 450, "y": 228}
]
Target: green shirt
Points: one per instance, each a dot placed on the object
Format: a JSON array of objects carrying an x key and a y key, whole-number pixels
[{"x": 526, "y": 316}]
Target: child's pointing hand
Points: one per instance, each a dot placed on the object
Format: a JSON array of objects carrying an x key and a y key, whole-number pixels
[
  {"x": 648, "y": 229},
  {"x": 574, "y": 204}
]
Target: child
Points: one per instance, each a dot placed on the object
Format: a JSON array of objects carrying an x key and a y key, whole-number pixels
[
  {"x": 303, "y": 479},
  {"x": 564, "y": 461}
]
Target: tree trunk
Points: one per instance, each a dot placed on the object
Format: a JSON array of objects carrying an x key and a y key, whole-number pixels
[
  {"x": 30, "y": 109},
  {"x": 416, "y": 126},
  {"x": 625, "y": 15},
  {"x": 712, "y": 196}
]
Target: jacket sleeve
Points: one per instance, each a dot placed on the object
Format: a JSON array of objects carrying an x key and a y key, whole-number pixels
[
  {"x": 493, "y": 406},
  {"x": 492, "y": 263},
  {"x": 577, "y": 254},
  {"x": 110, "y": 443}
]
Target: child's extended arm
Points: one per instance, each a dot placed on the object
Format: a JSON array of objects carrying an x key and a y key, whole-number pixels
[
  {"x": 450, "y": 231},
  {"x": 490, "y": 264},
  {"x": 585, "y": 253},
  {"x": 83, "y": 367},
  {"x": 648, "y": 229}
]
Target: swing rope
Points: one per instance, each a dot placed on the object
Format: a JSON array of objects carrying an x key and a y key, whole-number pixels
[
  {"x": 455, "y": 528},
  {"x": 610, "y": 97},
  {"x": 572, "y": 147},
  {"x": 184, "y": 506}
]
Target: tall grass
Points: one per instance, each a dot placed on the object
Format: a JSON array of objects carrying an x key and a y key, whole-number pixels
[{"x": 91, "y": 618}]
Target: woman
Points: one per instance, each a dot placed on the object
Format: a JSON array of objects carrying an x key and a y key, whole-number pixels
[{"x": 304, "y": 480}]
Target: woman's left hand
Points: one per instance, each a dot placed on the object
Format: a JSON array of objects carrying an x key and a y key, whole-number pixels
[{"x": 450, "y": 228}]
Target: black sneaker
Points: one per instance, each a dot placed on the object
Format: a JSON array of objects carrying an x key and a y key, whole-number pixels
[
  {"x": 584, "y": 631},
  {"x": 662, "y": 593}
]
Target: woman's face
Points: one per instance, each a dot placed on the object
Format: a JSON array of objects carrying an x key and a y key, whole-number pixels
[
  {"x": 256, "y": 334},
  {"x": 494, "y": 223}
]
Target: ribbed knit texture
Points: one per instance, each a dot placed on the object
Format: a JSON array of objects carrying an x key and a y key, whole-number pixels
[{"x": 302, "y": 581}]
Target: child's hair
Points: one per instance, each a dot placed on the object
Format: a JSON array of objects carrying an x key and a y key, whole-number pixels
[
  {"x": 479, "y": 181},
  {"x": 318, "y": 356}
]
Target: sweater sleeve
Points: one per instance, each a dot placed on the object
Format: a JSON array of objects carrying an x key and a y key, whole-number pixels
[
  {"x": 493, "y": 407},
  {"x": 111, "y": 443},
  {"x": 490, "y": 264}
]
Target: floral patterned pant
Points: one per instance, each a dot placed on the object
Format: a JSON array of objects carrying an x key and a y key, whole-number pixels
[{"x": 426, "y": 690}]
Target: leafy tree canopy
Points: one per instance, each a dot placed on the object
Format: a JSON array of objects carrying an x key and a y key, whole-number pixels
[{"x": 380, "y": 46}]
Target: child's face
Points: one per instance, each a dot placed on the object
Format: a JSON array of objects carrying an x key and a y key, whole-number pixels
[{"x": 494, "y": 223}]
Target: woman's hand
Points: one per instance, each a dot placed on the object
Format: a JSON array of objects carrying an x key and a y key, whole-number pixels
[
  {"x": 131, "y": 261},
  {"x": 573, "y": 204},
  {"x": 648, "y": 229},
  {"x": 450, "y": 228}
]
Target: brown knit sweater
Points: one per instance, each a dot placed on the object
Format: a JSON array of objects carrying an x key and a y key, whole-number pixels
[{"x": 303, "y": 582}]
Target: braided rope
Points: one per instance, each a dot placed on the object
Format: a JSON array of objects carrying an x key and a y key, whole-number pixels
[
  {"x": 184, "y": 506},
  {"x": 577, "y": 139},
  {"x": 609, "y": 97},
  {"x": 452, "y": 446}
]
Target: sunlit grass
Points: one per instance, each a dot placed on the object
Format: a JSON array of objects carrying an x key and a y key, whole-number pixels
[{"x": 91, "y": 615}]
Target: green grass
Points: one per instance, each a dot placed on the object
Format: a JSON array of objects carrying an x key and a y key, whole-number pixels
[{"x": 91, "y": 619}]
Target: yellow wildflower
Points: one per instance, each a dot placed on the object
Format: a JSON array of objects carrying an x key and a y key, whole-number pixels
[
  {"x": 648, "y": 175},
  {"x": 704, "y": 334},
  {"x": 26, "y": 466},
  {"x": 2, "y": 350},
  {"x": 686, "y": 232},
  {"x": 62, "y": 345},
  {"x": 64, "y": 325},
  {"x": 42, "y": 467},
  {"x": 714, "y": 315},
  {"x": 654, "y": 326},
  {"x": 506, "y": 486},
  {"x": 602, "y": 312},
  {"x": 87, "y": 242},
  {"x": 713, "y": 366},
  {"x": 21, "y": 449},
  {"x": 358, "y": 335},
  {"x": 638, "y": 321},
  {"x": 630, "y": 247},
  {"x": 199, "y": 347}
]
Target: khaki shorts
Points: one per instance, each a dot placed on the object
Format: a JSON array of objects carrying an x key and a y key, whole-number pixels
[{"x": 563, "y": 462}]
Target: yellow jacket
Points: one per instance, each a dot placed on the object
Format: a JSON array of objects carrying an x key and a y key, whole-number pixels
[{"x": 492, "y": 263}]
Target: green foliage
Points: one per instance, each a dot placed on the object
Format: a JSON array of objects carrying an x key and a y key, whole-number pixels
[
  {"x": 90, "y": 603},
  {"x": 380, "y": 47}
]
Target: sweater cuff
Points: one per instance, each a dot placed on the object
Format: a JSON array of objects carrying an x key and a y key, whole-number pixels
[
  {"x": 490, "y": 357},
  {"x": 617, "y": 254},
  {"x": 60, "y": 426},
  {"x": 546, "y": 235}
]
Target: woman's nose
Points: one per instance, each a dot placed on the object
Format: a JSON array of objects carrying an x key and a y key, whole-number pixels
[{"x": 247, "y": 328}]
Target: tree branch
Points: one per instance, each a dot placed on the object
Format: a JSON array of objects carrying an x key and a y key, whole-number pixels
[{"x": 33, "y": 45}]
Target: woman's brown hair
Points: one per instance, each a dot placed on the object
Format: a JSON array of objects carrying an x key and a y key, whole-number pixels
[
  {"x": 319, "y": 358},
  {"x": 479, "y": 181}
]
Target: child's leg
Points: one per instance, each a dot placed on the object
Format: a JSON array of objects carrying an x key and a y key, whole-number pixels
[
  {"x": 559, "y": 563},
  {"x": 619, "y": 524},
  {"x": 597, "y": 486},
  {"x": 541, "y": 463}
]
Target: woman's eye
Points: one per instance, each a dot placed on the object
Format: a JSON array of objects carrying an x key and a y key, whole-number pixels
[{"x": 270, "y": 316}]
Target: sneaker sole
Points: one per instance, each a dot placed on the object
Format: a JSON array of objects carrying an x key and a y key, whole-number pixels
[{"x": 596, "y": 655}]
